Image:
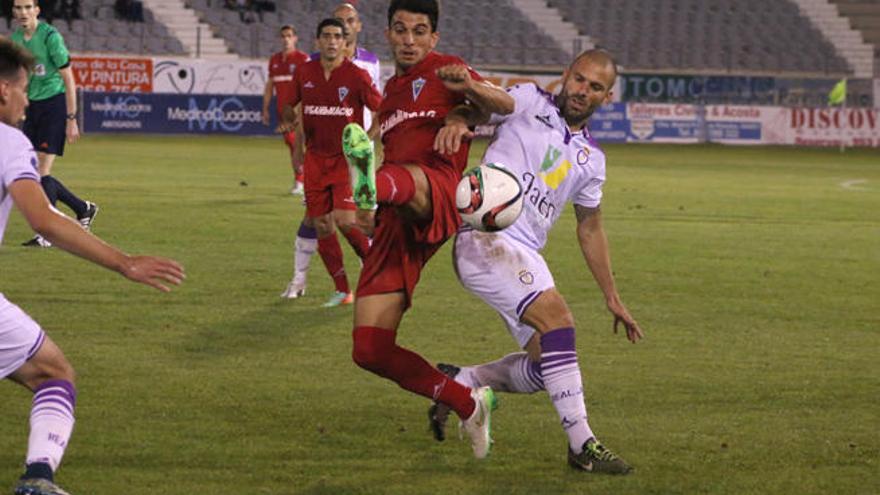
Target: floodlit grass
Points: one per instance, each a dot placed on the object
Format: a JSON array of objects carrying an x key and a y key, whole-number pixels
[{"x": 752, "y": 270}]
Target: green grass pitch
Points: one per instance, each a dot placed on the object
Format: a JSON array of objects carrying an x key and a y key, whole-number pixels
[{"x": 754, "y": 272}]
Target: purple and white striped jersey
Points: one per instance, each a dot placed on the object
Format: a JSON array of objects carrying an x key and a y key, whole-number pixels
[
  {"x": 553, "y": 164},
  {"x": 368, "y": 61},
  {"x": 17, "y": 161}
]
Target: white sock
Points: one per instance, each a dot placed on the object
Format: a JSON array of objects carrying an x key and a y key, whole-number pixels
[
  {"x": 514, "y": 373},
  {"x": 562, "y": 378},
  {"x": 51, "y": 422},
  {"x": 304, "y": 248}
]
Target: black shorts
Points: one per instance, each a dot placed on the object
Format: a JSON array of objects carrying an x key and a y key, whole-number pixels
[{"x": 46, "y": 124}]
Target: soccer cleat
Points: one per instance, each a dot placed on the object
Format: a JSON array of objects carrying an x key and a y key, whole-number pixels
[
  {"x": 338, "y": 299},
  {"x": 37, "y": 241},
  {"x": 298, "y": 189},
  {"x": 38, "y": 486},
  {"x": 439, "y": 412},
  {"x": 295, "y": 289},
  {"x": 358, "y": 150},
  {"x": 479, "y": 425},
  {"x": 87, "y": 219},
  {"x": 595, "y": 458}
]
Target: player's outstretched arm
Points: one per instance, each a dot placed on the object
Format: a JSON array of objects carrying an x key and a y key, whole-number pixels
[
  {"x": 489, "y": 97},
  {"x": 68, "y": 235},
  {"x": 594, "y": 246}
]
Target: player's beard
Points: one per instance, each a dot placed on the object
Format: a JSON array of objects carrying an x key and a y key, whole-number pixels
[{"x": 573, "y": 117}]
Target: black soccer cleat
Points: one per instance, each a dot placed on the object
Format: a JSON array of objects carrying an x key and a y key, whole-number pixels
[
  {"x": 37, "y": 241},
  {"x": 438, "y": 412},
  {"x": 595, "y": 458},
  {"x": 89, "y": 216},
  {"x": 38, "y": 486}
]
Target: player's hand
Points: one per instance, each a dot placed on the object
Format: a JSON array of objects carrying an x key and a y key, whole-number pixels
[
  {"x": 455, "y": 77},
  {"x": 265, "y": 117},
  {"x": 72, "y": 131},
  {"x": 621, "y": 315},
  {"x": 155, "y": 272},
  {"x": 450, "y": 136},
  {"x": 288, "y": 120}
]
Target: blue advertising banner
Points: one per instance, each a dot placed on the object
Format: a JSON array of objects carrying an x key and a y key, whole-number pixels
[
  {"x": 174, "y": 114},
  {"x": 609, "y": 124}
]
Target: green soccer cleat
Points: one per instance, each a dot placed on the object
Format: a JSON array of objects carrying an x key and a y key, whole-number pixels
[
  {"x": 479, "y": 426},
  {"x": 338, "y": 299},
  {"x": 38, "y": 486},
  {"x": 358, "y": 149},
  {"x": 595, "y": 458}
]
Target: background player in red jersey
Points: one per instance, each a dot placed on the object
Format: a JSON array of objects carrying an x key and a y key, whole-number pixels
[
  {"x": 282, "y": 66},
  {"x": 416, "y": 190},
  {"x": 332, "y": 92}
]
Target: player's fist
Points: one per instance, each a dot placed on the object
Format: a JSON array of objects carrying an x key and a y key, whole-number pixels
[
  {"x": 288, "y": 119},
  {"x": 455, "y": 77}
]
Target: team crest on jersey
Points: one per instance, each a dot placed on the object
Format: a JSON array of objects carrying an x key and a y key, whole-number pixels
[
  {"x": 526, "y": 277},
  {"x": 417, "y": 86},
  {"x": 343, "y": 92}
]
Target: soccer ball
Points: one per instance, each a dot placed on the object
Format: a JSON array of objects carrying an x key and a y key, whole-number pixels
[{"x": 489, "y": 197}]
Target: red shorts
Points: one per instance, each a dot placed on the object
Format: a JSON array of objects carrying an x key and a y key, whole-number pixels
[
  {"x": 401, "y": 247},
  {"x": 327, "y": 184}
]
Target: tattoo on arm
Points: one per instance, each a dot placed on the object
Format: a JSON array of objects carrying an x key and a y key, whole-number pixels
[{"x": 583, "y": 213}]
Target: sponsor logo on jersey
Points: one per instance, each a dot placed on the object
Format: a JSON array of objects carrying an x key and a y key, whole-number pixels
[
  {"x": 39, "y": 70},
  {"x": 553, "y": 178},
  {"x": 417, "y": 87},
  {"x": 328, "y": 111},
  {"x": 308, "y": 85},
  {"x": 401, "y": 116},
  {"x": 343, "y": 92}
]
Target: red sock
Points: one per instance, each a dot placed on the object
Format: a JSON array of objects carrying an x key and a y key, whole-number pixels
[
  {"x": 394, "y": 185},
  {"x": 358, "y": 240},
  {"x": 376, "y": 351},
  {"x": 331, "y": 253},
  {"x": 300, "y": 177}
]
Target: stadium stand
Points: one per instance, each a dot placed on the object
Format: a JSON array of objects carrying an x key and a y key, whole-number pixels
[
  {"x": 99, "y": 30},
  {"x": 481, "y": 31},
  {"x": 718, "y": 35},
  {"x": 864, "y": 16}
]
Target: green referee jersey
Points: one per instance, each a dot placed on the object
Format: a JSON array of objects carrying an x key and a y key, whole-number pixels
[{"x": 47, "y": 46}]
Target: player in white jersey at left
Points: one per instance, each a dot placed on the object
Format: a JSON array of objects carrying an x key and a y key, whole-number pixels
[
  {"x": 306, "y": 237},
  {"x": 546, "y": 144},
  {"x": 27, "y": 355}
]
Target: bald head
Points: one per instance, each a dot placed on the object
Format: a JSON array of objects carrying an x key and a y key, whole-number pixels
[
  {"x": 597, "y": 56},
  {"x": 348, "y": 15}
]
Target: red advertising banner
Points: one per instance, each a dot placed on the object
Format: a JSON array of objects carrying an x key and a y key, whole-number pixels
[{"x": 113, "y": 74}]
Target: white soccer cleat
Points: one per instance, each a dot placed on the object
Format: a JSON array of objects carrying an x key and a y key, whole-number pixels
[
  {"x": 295, "y": 289},
  {"x": 479, "y": 425},
  {"x": 298, "y": 189}
]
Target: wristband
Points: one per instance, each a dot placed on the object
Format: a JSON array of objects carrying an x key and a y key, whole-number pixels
[{"x": 71, "y": 116}]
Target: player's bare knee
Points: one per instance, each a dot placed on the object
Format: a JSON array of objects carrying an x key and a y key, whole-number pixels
[{"x": 323, "y": 225}]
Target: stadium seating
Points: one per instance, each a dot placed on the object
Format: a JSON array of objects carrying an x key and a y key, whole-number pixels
[
  {"x": 718, "y": 35},
  {"x": 481, "y": 31},
  {"x": 864, "y": 15},
  {"x": 100, "y": 31}
]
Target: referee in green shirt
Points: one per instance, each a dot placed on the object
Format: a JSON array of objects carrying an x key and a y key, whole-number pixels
[{"x": 51, "y": 114}]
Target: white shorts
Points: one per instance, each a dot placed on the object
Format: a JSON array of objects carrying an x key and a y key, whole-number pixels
[
  {"x": 503, "y": 273},
  {"x": 20, "y": 337}
]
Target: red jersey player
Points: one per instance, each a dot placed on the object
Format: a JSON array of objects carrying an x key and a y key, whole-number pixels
[
  {"x": 416, "y": 191},
  {"x": 332, "y": 92},
  {"x": 282, "y": 66}
]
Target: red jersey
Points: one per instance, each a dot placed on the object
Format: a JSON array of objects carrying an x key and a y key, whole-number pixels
[
  {"x": 413, "y": 109},
  {"x": 328, "y": 105},
  {"x": 282, "y": 66}
]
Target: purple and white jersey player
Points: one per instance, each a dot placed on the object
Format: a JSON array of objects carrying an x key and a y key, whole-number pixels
[
  {"x": 368, "y": 61},
  {"x": 20, "y": 336},
  {"x": 555, "y": 167}
]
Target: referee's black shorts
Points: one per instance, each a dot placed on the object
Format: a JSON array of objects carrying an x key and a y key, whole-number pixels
[{"x": 46, "y": 124}]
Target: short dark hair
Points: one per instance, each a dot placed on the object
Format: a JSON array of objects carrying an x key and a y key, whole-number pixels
[
  {"x": 330, "y": 21},
  {"x": 430, "y": 8},
  {"x": 13, "y": 58},
  {"x": 286, "y": 27}
]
